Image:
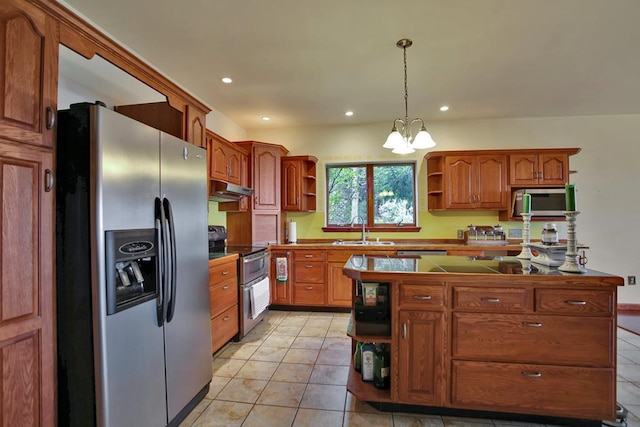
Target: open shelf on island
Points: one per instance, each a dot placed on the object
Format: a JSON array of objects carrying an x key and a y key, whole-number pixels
[{"x": 365, "y": 391}]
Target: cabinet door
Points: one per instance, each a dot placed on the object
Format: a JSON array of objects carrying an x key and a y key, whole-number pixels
[
  {"x": 420, "y": 368},
  {"x": 459, "y": 182},
  {"x": 280, "y": 291},
  {"x": 523, "y": 169},
  {"x": 28, "y": 73},
  {"x": 291, "y": 185},
  {"x": 491, "y": 182},
  {"x": 339, "y": 286},
  {"x": 218, "y": 168},
  {"x": 26, "y": 287},
  {"x": 195, "y": 127},
  {"x": 266, "y": 177},
  {"x": 234, "y": 164},
  {"x": 554, "y": 169}
]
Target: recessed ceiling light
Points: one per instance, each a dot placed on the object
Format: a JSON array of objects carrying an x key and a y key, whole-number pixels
[
  {"x": 348, "y": 113},
  {"x": 444, "y": 108},
  {"x": 227, "y": 80},
  {"x": 266, "y": 118}
]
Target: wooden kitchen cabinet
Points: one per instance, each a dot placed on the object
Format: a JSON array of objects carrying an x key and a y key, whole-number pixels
[
  {"x": 223, "y": 292},
  {"x": 261, "y": 220},
  {"x": 280, "y": 290},
  {"x": 309, "y": 278},
  {"x": 27, "y": 318},
  {"x": 225, "y": 160},
  {"x": 195, "y": 123},
  {"x": 485, "y": 179},
  {"x": 421, "y": 361},
  {"x": 539, "y": 169},
  {"x": 476, "y": 182},
  {"x": 28, "y": 94},
  {"x": 338, "y": 285},
  {"x": 299, "y": 183}
]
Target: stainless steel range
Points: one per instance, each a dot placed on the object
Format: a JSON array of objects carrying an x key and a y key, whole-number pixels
[{"x": 253, "y": 280}]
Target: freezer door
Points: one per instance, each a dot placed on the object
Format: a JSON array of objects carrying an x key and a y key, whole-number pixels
[
  {"x": 129, "y": 344},
  {"x": 188, "y": 332}
]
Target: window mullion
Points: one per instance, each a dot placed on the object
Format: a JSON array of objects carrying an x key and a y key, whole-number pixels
[{"x": 370, "y": 199}]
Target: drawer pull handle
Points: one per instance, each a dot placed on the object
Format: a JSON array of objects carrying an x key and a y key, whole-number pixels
[
  {"x": 308, "y": 266},
  {"x": 532, "y": 324},
  {"x": 576, "y": 302},
  {"x": 225, "y": 318},
  {"x": 531, "y": 374},
  {"x": 422, "y": 297},
  {"x": 493, "y": 300},
  {"x": 309, "y": 288},
  {"x": 224, "y": 273},
  {"x": 308, "y": 256},
  {"x": 225, "y": 287},
  {"x": 404, "y": 330}
]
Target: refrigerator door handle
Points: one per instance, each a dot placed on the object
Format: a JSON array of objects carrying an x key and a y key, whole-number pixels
[
  {"x": 172, "y": 259},
  {"x": 160, "y": 267}
]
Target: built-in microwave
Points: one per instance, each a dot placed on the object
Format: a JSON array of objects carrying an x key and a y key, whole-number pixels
[{"x": 544, "y": 201}]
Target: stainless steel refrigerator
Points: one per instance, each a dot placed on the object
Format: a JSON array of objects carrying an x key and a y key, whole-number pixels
[{"x": 134, "y": 340}]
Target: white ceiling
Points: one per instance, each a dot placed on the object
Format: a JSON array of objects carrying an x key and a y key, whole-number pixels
[{"x": 305, "y": 62}]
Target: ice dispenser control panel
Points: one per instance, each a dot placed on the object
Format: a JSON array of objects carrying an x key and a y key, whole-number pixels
[{"x": 131, "y": 268}]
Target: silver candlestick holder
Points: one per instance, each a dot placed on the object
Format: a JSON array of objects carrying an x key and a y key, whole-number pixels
[
  {"x": 526, "y": 229},
  {"x": 571, "y": 264}
]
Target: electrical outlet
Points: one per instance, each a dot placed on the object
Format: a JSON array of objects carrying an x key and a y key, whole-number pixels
[
  {"x": 631, "y": 280},
  {"x": 515, "y": 233},
  {"x": 460, "y": 234}
]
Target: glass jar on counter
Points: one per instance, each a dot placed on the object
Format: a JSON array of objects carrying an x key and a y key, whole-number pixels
[{"x": 550, "y": 234}]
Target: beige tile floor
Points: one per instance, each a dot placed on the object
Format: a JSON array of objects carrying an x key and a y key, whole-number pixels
[{"x": 291, "y": 370}]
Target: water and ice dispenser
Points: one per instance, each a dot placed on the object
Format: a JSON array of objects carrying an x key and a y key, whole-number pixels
[{"x": 131, "y": 265}]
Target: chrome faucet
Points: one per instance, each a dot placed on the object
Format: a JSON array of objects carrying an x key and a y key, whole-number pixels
[{"x": 364, "y": 232}]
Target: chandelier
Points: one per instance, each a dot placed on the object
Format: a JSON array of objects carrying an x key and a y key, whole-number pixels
[{"x": 400, "y": 139}]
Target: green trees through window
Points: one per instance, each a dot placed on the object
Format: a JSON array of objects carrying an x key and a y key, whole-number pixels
[{"x": 376, "y": 194}]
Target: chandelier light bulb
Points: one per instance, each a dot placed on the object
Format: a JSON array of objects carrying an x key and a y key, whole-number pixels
[
  {"x": 394, "y": 139},
  {"x": 423, "y": 140}
]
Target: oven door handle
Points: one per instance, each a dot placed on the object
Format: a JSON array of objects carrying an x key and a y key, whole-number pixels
[{"x": 254, "y": 257}]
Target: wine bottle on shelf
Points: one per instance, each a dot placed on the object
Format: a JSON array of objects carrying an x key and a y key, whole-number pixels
[
  {"x": 381, "y": 365},
  {"x": 357, "y": 357},
  {"x": 368, "y": 350}
]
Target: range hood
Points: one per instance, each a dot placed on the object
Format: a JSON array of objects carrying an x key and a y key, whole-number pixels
[{"x": 226, "y": 192}]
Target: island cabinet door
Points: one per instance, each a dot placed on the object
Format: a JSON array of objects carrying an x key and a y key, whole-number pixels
[{"x": 420, "y": 364}]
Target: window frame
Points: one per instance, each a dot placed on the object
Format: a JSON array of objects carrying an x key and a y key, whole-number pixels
[{"x": 370, "y": 225}]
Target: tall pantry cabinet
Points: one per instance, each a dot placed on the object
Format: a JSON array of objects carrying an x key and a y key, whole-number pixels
[
  {"x": 262, "y": 222},
  {"x": 28, "y": 92}
]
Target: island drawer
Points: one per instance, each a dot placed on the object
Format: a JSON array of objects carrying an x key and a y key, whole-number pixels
[
  {"x": 491, "y": 299},
  {"x": 308, "y": 255},
  {"x": 421, "y": 296},
  {"x": 581, "y": 341},
  {"x": 575, "y": 301},
  {"x": 308, "y": 272},
  {"x": 308, "y": 294},
  {"x": 535, "y": 389}
]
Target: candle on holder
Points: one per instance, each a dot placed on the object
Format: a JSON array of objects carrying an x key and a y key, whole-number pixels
[
  {"x": 526, "y": 203},
  {"x": 570, "y": 197}
]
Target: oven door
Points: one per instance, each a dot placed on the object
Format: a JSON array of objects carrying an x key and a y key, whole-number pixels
[{"x": 254, "y": 266}]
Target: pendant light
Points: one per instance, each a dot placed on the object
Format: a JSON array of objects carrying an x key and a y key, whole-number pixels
[{"x": 400, "y": 140}]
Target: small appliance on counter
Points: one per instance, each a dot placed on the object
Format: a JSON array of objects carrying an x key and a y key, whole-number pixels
[
  {"x": 253, "y": 280},
  {"x": 485, "y": 235}
]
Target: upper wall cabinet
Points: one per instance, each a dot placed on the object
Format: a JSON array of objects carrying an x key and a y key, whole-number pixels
[
  {"x": 466, "y": 180},
  {"x": 28, "y": 73},
  {"x": 225, "y": 160},
  {"x": 544, "y": 169},
  {"x": 299, "y": 183},
  {"x": 483, "y": 179}
]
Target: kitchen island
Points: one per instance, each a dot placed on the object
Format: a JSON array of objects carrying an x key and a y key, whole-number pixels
[{"x": 494, "y": 335}]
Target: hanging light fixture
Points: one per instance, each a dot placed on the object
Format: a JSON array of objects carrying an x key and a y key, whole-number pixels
[{"x": 400, "y": 140}]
